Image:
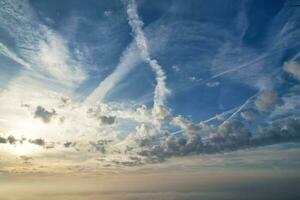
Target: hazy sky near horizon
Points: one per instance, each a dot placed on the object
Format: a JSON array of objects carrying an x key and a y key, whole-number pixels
[{"x": 139, "y": 91}]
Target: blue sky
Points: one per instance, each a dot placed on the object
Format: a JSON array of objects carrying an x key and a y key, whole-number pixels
[{"x": 124, "y": 84}]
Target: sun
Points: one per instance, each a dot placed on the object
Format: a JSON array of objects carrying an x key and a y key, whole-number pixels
[{"x": 19, "y": 149}]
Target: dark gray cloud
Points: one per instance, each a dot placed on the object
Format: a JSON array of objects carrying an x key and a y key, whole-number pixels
[
  {"x": 11, "y": 139},
  {"x": 39, "y": 142},
  {"x": 107, "y": 120},
  {"x": 43, "y": 114},
  {"x": 101, "y": 113},
  {"x": 69, "y": 144},
  {"x": 3, "y": 140}
]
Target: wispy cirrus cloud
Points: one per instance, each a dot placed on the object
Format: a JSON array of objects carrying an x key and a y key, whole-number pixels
[{"x": 40, "y": 48}]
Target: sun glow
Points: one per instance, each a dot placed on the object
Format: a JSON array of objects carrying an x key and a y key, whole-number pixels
[{"x": 19, "y": 149}]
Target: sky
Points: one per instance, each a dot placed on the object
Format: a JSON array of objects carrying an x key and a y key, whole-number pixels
[{"x": 141, "y": 99}]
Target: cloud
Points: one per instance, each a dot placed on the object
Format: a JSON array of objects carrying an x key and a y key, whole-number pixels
[
  {"x": 293, "y": 68},
  {"x": 2, "y": 140},
  {"x": 160, "y": 113},
  {"x": 144, "y": 136},
  {"x": 176, "y": 68},
  {"x": 248, "y": 116},
  {"x": 189, "y": 128},
  {"x": 39, "y": 142},
  {"x": 103, "y": 113},
  {"x": 161, "y": 90},
  {"x": 39, "y": 48},
  {"x": 107, "y": 120},
  {"x": 130, "y": 58},
  {"x": 11, "y": 139},
  {"x": 230, "y": 133},
  {"x": 213, "y": 84},
  {"x": 10, "y": 54},
  {"x": 290, "y": 105},
  {"x": 69, "y": 144},
  {"x": 135, "y": 53},
  {"x": 56, "y": 60},
  {"x": 266, "y": 101},
  {"x": 45, "y": 115},
  {"x": 107, "y": 13},
  {"x": 281, "y": 130},
  {"x": 26, "y": 158},
  {"x": 100, "y": 145},
  {"x": 229, "y": 136}
]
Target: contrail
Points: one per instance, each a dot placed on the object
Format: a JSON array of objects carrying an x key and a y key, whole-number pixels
[
  {"x": 128, "y": 61},
  {"x": 241, "y": 107},
  {"x": 161, "y": 90},
  {"x": 253, "y": 62}
]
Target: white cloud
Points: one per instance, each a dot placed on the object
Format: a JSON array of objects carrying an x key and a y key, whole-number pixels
[
  {"x": 266, "y": 101},
  {"x": 161, "y": 90},
  {"x": 54, "y": 57},
  {"x": 128, "y": 62},
  {"x": 290, "y": 105},
  {"x": 107, "y": 13},
  {"x": 8, "y": 53},
  {"x": 176, "y": 68},
  {"x": 38, "y": 47},
  {"x": 293, "y": 68},
  {"x": 213, "y": 84},
  {"x": 247, "y": 115}
]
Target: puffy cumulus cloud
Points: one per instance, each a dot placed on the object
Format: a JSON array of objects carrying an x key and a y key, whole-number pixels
[
  {"x": 145, "y": 135},
  {"x": 293, "y": 68},
  {"x": 43, "y": 114},
  {"x": 142, "y": 113},
  {"x": 39, "y": 142},
  {"x": 229, "y": 136},
  {"x": 286, "y": 129},
  {"x": 191, "y": 130},
  {"x": 11, "y": 139},
  {"x": 266, "y": 101},
  {"x": 98, "y": 110},
  {"x": 248, "y": 116},
  {"x": 69, "y": 144},
  {"x": 230, "y": 133},
  {"x": 2, "y": 140},
  {"x": 103, "y": 113},
  {"x": 160, "y": 113}
]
